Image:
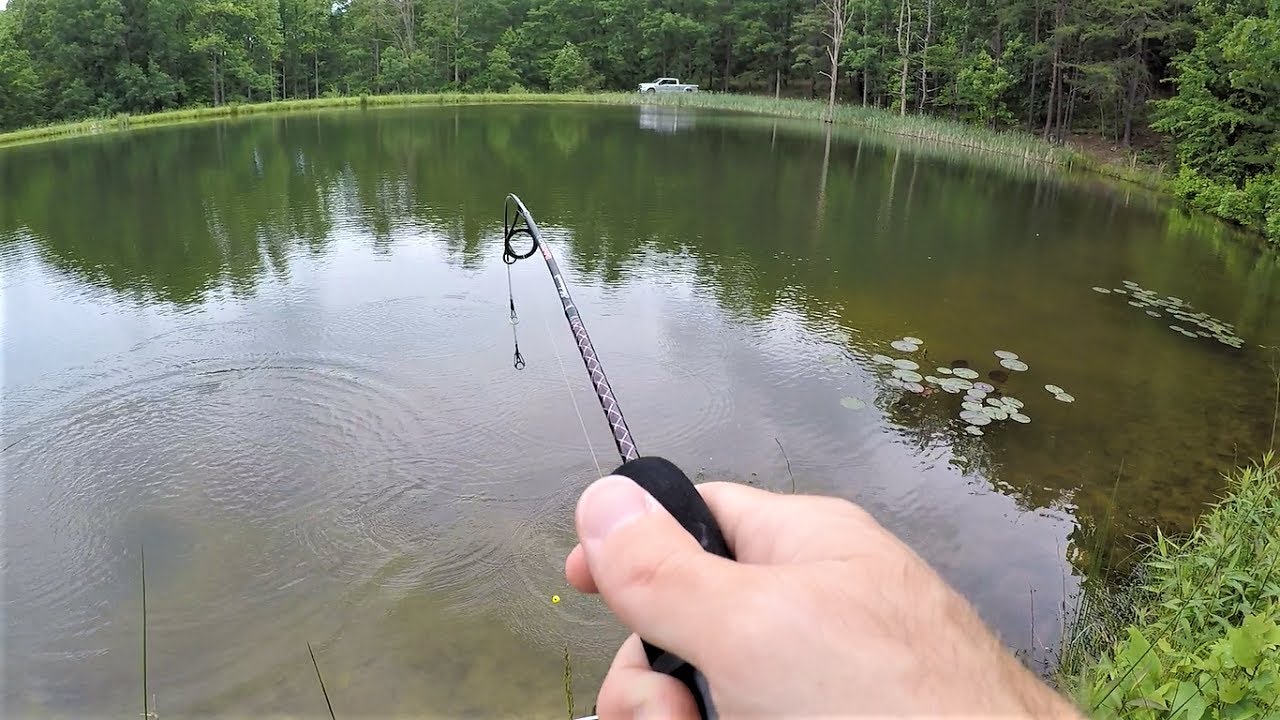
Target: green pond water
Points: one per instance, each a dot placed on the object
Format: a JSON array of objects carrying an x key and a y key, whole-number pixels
[{"x": 276, "y": 353}]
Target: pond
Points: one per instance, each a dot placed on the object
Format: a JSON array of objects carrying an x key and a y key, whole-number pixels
[{"x": 275, "y": 353}]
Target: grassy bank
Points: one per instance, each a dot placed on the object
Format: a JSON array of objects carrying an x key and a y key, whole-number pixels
[
  {"x": 125, "y": 121},
  {"x": 1015, "y": 144},
  {"x": 1010, "y": 143},
  {"x": 1197, "y": 634}
]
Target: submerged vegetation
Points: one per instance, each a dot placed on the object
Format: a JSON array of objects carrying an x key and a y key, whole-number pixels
[{"x": 1196, "y": 633}]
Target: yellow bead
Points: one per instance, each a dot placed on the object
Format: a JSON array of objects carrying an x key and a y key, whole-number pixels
[{"x": 555, "y": 599}]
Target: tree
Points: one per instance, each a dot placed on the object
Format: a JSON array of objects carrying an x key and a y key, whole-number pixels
[
  {"x": 1226, "y": 111},
  {"x": 499, "y": 70},
  {"x": 674, "y": 43},
  {"x": 21, "y": 97},
  {"x": 569, "y": 70},
  {"x": 840, "y": 13},
  {"x": 241, "y": 41},
  {"x": 980, "y": 86},
  {"x": 305, "y": 27},
  {"x": 904, "y": 51}
]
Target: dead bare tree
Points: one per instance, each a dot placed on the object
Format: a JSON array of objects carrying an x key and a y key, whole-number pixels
[{"x": 841, "y": 12}]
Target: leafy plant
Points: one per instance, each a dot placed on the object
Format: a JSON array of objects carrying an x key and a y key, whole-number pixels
[{"x": 1205, "y": 642}]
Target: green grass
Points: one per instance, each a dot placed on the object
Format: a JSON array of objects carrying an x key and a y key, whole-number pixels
[
  {"x": 922, "y": 127},
  {"x": 124, "y": 121},
  {"x": 1197, "y": 633},
  {"x": 1009, "y": 143}
]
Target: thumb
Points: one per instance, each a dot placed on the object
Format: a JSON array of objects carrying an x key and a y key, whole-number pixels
[{"x": 653, "y": 574}]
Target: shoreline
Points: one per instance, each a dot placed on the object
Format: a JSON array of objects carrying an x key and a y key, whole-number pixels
[
  {"x": 1011, "y": 143},
  {"x": 1195, "y": 626},
  {"x": 1015, "y": 145}
]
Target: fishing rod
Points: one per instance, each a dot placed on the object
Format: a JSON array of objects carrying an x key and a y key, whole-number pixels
[{"x": 659, "y": 477}]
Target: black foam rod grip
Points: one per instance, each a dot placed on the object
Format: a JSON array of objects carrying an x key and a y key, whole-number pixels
[{"x": 675, "y": 491}]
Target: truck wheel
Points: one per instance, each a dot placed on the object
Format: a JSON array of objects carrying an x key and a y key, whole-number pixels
[
  {"x": 650, "y": 91},
  {"x": 688, "y": 89}
]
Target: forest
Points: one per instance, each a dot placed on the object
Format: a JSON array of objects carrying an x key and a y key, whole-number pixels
[{"x": 1193, "y": 85}]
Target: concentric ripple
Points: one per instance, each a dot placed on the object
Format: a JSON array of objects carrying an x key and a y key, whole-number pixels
[{"x": 264, "y": 486}]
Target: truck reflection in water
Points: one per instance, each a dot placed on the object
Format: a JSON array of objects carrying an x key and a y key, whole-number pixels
[{"x": 665, "y": 119}]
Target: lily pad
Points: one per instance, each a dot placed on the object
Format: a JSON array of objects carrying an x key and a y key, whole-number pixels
[
  {"x": 1054, "y": 389},
  {"x": 975, "y": 418},
  {"x": 852, "y": 403},
  {"x": 944, "y": 371},
  {"x": 1119, "y": 291},
  {"x": 975, "y": 396},
  {"x": 908, "y": 376},
  {"x": 1102, "y": 290},
  {"x": 931, "y": 380},
  {"x": 984, "y": 387},
  {"x": 914, "y": 387},
  {"x": 1014, "y": 403},
  {"x": 1153, "y": 313},
  {"x": 904, "y": 364},
  {"x": 1064, "y": 397},
  {"x": 972, "y": 406},
  {"x": 965, "y": 373},
  {"x": 913, "y": 340},
  {"x": 973, "y": 430},
  {"x": 1017, "y": 365},
  {"x": 1137, "y": 303},
  {"x": 882, "y": 359},
  {"x": 904, "y": 346},
  {"x": 1130, "y": 283},
  {"x": 1006, "y": 355},
  {"x": 995, "y": 413},
  {"x": 1019, "y": 418}
]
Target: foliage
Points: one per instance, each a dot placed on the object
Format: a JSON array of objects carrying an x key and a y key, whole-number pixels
[
  {"x": 569, "y": 70},
  {"x": 1205, "y": 638},
  {"x": 23, "y": 97},
  {"x": 979, "y": 88},
  {"x": 97, "y": 57},
  {"x": 1225, "y": 116},
  {"x": 499, "y": 71}
]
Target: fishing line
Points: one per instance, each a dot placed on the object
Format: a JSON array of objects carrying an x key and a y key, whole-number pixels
[
  {"x": 663, "y": 480},
  {"x": 572, "y": 397},
  {"x": 518, "y": 360}
]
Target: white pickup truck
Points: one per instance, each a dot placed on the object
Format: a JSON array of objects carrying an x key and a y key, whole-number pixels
[{"x": 666, "y": 84}]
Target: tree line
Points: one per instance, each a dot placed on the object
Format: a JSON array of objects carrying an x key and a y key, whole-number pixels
[{"x": 1195, "y": 80}]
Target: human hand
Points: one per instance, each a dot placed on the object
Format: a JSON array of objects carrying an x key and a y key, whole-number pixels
[{"x": 824, "y": 613}]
